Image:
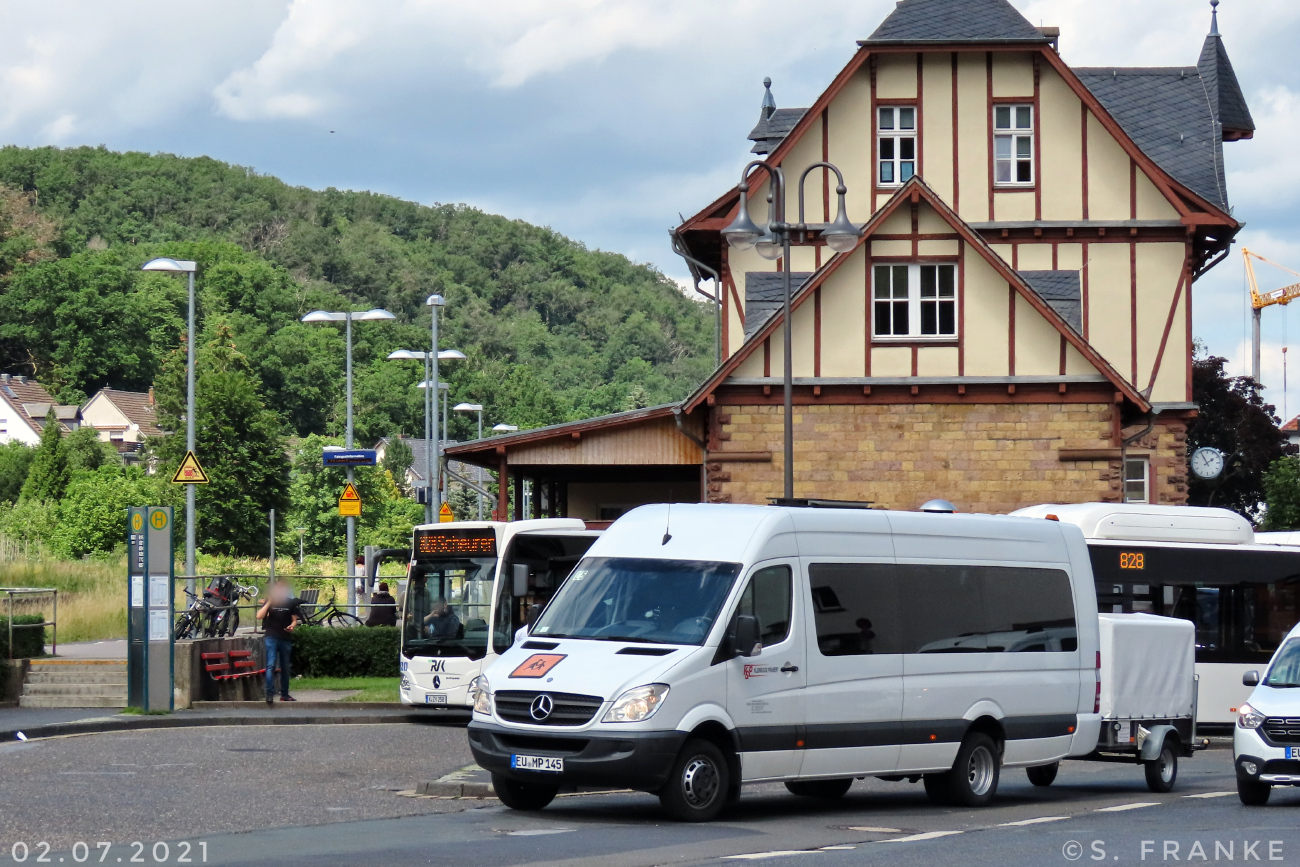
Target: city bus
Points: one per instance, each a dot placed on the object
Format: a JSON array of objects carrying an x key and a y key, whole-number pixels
[
  {"x": 1241, "y": 590},
  {"x": 470, "y": 586}
]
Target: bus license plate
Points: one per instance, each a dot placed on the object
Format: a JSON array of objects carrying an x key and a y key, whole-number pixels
[
  {"x": 435, "y": 698},
  {"x": 537, "y": 763},
  {"x": 1293, "y": 752}
]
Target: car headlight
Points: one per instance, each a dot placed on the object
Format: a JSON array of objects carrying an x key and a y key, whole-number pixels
[
  {"x": 481, "y": 695},
  {"x": 1249, "y": 718},
  {"x": 639, "y": 703}
]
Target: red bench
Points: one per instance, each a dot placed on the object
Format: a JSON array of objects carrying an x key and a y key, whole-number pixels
[{"x": 230, "y": 665}]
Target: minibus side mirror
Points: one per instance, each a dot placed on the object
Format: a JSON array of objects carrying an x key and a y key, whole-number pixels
[
  {"x": 1250, "y": 678},
  {"x": 747, "y": 638}
]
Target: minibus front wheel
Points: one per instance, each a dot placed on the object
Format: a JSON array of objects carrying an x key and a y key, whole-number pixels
[
  {"x": 699, "y": 784},
  {"x": 523, "y": 796}
]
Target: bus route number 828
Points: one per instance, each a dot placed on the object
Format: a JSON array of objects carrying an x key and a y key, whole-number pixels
[{"x": 1132, "y": 560}]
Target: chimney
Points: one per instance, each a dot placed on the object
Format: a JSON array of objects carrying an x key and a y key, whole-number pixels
[{"x": 151, "y": 400}]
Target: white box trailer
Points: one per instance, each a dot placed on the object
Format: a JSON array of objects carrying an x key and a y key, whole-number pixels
[{"x": 1146, "y": 694}]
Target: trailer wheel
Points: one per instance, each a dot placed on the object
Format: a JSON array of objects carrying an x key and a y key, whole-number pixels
[
  {"x": 1043, "y": 775},
  {"x": 1163, "y": 772}
]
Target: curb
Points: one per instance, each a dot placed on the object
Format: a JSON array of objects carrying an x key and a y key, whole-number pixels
[
  {"x": 456, "y": 790},
  {"x": 116, "y": 724},
  {"x": 306, "y": 705}
]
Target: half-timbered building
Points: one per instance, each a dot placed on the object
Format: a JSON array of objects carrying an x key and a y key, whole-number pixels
[{"x": 1015, "y": 324}]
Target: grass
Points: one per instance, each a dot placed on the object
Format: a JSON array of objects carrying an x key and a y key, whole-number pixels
[{"x": 372, "y": 688}]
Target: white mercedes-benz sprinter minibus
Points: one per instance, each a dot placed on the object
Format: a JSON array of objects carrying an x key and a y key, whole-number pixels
[{"x": 699, "y": 647}]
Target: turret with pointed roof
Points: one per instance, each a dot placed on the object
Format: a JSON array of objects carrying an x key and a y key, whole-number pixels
[{"x": 1226, "y": 99}]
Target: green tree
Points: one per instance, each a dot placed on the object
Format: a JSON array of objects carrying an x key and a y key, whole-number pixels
[
  {"x": 238, "y": 441},
  {"x": 1282, "y": 495},
  {"x": 92, "y": 516},
  {"x": 398, "y": 459},
  {"x": 1234, "y": 419},
  {"x": 15, "y": 460},
  {"x": 86, "y": 451},
  {"x": 48, "y": 476}
]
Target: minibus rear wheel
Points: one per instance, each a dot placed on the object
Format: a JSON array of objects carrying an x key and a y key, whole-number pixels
[
  {"x": 699, "y": 783},
  {"x": 522, "y": 796},
  {"x": 826, "y": 790},
  {"x": 973, "y": 780}
]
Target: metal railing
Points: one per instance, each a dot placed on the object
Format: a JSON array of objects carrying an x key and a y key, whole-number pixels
[
  {"x": 261, "y": 579},
  {"x": 10, "y": 593}
]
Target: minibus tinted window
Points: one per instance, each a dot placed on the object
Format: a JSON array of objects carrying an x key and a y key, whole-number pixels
[
  {"x": 634, "y": 599},
  {"x": 767, "y": 596},
  {"x": 869, "y": 608}
]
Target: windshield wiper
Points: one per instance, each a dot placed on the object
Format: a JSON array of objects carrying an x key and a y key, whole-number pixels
[{"x": 1281, "y": 685}]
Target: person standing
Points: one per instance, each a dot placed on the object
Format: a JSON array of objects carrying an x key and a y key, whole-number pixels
[
  {"x": 279, "y": 616},
  {"x": 383, "y": 607}
]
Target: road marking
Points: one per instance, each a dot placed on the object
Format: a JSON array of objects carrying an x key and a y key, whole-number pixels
[
  {"x": 928, "y": 835},
  {"x": 870, "y": 830},
  {"x": 538, "y": 832},
  {"x": 1211, "y": 795},
  {"x": 1037, "y": 821},
  {"x": 758, "y": 856},
  {"x": 1120, "y": 808},
  {"x": 836, "y": 848}
]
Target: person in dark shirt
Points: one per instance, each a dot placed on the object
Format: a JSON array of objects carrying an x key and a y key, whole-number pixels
[
  {"x": 443, "y": 622},
  {"x": 279, "y": 616},
  {"x": 383, "y": 607}
]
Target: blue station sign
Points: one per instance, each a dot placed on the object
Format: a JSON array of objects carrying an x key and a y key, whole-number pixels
[{"x": 350, "y": 457}]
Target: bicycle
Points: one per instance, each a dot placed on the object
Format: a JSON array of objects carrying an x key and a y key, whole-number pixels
[
  {"x": 330, "y": 614},
  {"x": 216, "y": 613}
]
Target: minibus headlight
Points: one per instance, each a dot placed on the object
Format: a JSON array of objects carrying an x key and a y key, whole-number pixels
[
  {"x": 637, "y": 704},
  {"x": 481, "y": 695},
  {"x": 1249, "y": 718}
]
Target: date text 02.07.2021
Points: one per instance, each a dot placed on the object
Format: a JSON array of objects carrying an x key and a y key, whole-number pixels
[{"x": 179, "y": 852}]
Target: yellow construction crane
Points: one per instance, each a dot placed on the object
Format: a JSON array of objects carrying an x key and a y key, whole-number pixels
[{"x": 1260, "y": 300}]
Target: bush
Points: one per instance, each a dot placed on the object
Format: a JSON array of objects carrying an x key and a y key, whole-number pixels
[
  {"x": 362, "y": 651},
  {"x": 29, "y": 642}
]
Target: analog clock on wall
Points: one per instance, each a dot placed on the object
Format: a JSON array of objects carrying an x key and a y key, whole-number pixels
[{"x": 1207, "y": 462}]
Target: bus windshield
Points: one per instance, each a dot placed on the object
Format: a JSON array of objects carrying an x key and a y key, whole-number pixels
[
  {"x": 632, "y": 599},
  {"x": 448, "y": 607}
]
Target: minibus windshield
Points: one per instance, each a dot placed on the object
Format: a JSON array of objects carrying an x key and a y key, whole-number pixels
[
  {"x": 447, "y": 607},
  {"x": 632, "y": 599},
  {"x": 1286, "y": 670}
]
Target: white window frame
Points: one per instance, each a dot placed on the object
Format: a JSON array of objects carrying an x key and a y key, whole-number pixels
[
  {"x": 1144, "y": 479},
  {"x": 916, "y": 302},
  {"x": 891, "y": 136},
  {"x": 1013, "y": 145}
]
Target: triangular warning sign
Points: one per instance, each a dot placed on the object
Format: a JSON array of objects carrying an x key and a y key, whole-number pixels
[
  {"x": 445, "y": 514},
  {"x": 189, "y": 472},
  {"x": 349, "y": 493}
]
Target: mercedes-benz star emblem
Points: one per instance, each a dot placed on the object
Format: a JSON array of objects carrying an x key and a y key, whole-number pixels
[{"x": 541, "y": 708}]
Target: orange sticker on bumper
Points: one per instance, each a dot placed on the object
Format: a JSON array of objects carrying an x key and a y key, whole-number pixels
[{"x": 538, "y": 664}]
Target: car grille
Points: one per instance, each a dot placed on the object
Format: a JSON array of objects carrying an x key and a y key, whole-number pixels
[
  {"x": 1282, "y": 730},
  {"x": 567, "y": 709}
]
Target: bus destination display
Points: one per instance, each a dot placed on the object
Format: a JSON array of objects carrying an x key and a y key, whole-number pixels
[{"x": 461, "y": 543}]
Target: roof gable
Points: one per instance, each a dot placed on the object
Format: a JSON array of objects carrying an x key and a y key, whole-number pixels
[
  {"x": 136, "y": 406},
  {"x": 916, "y": 190},
  {"x": 955, "y": 21}
]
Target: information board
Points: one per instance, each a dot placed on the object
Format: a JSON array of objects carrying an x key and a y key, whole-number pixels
[{"x": 150, "y": 659}]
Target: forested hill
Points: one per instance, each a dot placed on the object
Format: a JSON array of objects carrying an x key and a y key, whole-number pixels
[{"x": 553, "y": 330}]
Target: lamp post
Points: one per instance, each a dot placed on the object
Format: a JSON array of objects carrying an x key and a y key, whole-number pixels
[
  {"x": 373, "y": 315},
  {"x": 773, "y": 241},
  {"x": 478, "y": 475},
  {"x": 430, "y": 413},
  {"x": 182, "y": 266}
]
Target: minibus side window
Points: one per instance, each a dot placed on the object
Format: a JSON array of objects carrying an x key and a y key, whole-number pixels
[
  {"x": 855, "y": 607},
  {"x": 768, "y": 597}
]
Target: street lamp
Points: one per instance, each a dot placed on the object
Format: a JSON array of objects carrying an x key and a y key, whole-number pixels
[
  {"x": 478, "y": 475},
  {"x": 774, "y": 240},
  {"x": 183, "y": 266},
  {"x": 504, "y": 428},
  {"x": 373, "y": 315},
  {"x": 430, "y": 412}
]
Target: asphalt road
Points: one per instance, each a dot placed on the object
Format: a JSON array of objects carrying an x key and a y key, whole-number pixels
[{"x": 328, "y": 795}]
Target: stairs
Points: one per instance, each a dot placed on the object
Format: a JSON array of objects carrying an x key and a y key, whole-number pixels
[{"x": 74, "y": 683}]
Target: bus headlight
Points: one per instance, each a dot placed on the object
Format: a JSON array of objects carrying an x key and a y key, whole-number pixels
[
  {"x": 481, "y": 696},
  {"x": 1249, "y": 718},
  {"x": 639, "y": 703}
]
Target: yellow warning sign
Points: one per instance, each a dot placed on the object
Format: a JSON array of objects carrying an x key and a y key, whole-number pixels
[
  {"x": 189, "y": 472},
  {"x": 445, "y": 514},
  {"x": 349, "y": 502}
]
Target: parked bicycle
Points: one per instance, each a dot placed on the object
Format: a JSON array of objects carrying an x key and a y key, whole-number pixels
[
  {"x": 329, "y": 614},
  {"x": 215, "y": 614}
]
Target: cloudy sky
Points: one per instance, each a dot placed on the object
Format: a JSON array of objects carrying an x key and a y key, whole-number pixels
[{"x": 601, "y": 118}]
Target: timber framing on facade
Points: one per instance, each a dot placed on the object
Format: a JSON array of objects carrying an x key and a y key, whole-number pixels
[{"x": 1015, "y": 325}]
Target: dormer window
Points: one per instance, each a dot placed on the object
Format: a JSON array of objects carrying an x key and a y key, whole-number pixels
[
  {"x": 1013, "y": 145},
  {"x": 896, "y": 145}
]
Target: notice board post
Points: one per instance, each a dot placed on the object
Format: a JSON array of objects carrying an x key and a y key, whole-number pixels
[{"x": 150, "y": 657}]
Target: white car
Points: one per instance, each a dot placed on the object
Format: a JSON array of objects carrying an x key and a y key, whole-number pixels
[{"x": 1266, "y": 741}]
